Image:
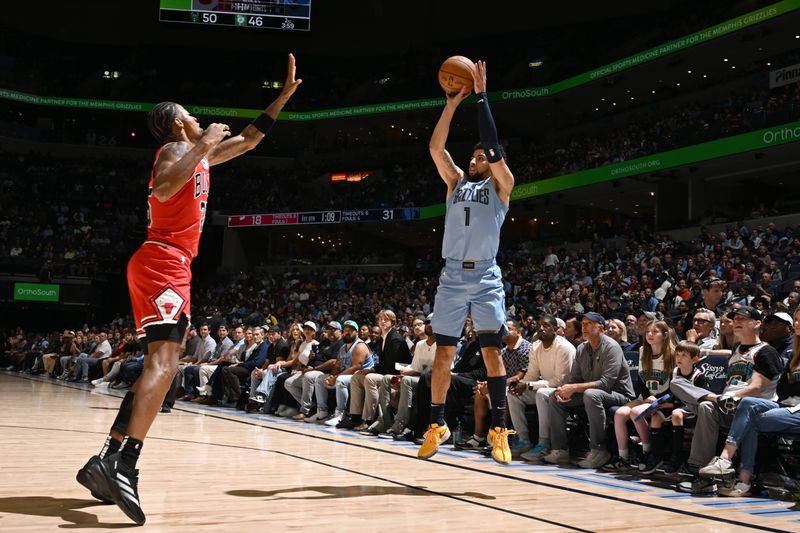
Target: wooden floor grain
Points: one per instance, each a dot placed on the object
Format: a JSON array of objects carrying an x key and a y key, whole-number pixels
[{"x": 216, "y": 469}]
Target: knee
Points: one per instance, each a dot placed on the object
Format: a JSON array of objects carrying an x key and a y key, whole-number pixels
[
  {"x": 705, "y": 410},
  {"x": 677, "y": 418},
  {"x": 592, "y": 397},
  {"x": 342, "y": 383},
  {"x": 623, "y": 413}
]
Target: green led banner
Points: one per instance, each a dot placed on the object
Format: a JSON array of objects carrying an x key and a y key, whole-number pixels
[
  {"x": 746, "y": 142},
  {"x": 663, "y": 50},
  {"x": 36, "y": 292}
]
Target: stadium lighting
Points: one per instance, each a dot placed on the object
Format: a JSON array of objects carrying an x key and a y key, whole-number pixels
[{"x": 688, "y": 72}]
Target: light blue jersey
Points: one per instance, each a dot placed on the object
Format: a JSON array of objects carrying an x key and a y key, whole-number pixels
[
  {"x": 471, "y": 282},
  {"x": 472, "y": 222}
]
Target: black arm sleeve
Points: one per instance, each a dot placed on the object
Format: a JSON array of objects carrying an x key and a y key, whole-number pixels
[{"x": 487, "y": 130}]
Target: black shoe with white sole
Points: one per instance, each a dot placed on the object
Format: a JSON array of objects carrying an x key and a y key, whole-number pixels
[
  {"x": 122, "y": 482},
  {"x": 91, "y": 476}
]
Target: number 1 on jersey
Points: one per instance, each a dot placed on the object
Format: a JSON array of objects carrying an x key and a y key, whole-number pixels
[{"x": 466, "y": 216}]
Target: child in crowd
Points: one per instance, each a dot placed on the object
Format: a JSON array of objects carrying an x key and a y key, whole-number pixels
[
  {"x": 687, "y": 357},
  {"x": 655, "y": 369}
]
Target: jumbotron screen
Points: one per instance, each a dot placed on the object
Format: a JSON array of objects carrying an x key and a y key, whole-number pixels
[{"x": 265, "y": 14}]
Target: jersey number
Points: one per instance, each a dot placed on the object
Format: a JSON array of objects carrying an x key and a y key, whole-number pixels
[
  {"x": 466, "y": 216},
  {"x": 202, "y": 215}
]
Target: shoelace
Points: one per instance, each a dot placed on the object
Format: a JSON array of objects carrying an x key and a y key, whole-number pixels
[
  {"x": 504, "y": 432},
  {"x": 432, "y": 434}
]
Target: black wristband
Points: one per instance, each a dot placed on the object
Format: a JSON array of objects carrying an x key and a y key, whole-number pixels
[{"x": 263, "y": 123}]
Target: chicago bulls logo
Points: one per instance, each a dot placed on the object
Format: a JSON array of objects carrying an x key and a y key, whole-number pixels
[{"x": 169, "y": 303}]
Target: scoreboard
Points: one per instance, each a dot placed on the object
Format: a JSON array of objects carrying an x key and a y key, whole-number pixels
[
  {"x": 389, "y": 214},
  {"x": 265, "y": 14}
]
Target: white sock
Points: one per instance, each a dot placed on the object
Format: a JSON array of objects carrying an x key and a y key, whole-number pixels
[
  {"x": 646, "y": 447},
  {"x": 623, "y": 454}
]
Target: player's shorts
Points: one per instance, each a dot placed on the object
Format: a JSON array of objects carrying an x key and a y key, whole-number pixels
[
  {"x": 159, "y": 277},
  {"x": 469, "y": 287}
]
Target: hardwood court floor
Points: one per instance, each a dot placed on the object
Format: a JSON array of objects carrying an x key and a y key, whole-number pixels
[{"x": 216, "y": 469}]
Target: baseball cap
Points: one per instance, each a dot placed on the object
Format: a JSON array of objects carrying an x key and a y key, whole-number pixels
[
  {"x": 276, "y": 329},
  {"x": 311, "y": 325},
  {"x": 781, "y": 317},
  {"x": 561, "y": 323},
  {"x": 428, "y": 318},
  {"x": 595, "y": 317},
  {"x": 334, "y": 325},
  {"x": 352, "y": 323},
  {"x": 746, "y": 310}
]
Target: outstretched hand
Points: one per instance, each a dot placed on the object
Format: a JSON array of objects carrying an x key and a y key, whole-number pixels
[
  {"x": 291, "y": 84},
  {"x": 479, "y": 76}
]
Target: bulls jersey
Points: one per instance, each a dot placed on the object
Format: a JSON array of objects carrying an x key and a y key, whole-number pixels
[
  {"x": 472, "y": 222},
  {"x": 179, "y": 221}
]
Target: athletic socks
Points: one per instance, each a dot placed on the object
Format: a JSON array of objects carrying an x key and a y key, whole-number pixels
[
  {"x": 130, "y": 450},
  {"x": 437, "y": 414},
  {"x": 111, "y": 445},
  {"x": 497, "y": 395}
]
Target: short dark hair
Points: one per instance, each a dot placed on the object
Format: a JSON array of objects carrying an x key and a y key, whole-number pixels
[
  {"x": 688, "y": 347},
  {"x": 160, "y": 119},
  {"x": 550, "y": 319}
]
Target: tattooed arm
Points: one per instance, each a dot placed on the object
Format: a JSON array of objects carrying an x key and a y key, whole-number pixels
[
  {"x": 177, "y": 161},
  {"x": 251, "y": 136},
  {"x": 448, "y": 170}
]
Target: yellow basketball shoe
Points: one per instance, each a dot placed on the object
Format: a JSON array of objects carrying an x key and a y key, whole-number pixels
[
  {"x": 498, "y": 437},
  {"x": 435, "y": 436}
]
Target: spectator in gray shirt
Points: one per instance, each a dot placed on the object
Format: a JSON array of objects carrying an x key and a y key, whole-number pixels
[{"x": 599, "y": 379}]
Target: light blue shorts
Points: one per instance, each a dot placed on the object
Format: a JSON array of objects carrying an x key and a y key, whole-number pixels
[{"x": 477, "y": 291}]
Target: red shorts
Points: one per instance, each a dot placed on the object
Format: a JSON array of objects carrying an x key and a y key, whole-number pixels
[{"x": 158, "y": 281}]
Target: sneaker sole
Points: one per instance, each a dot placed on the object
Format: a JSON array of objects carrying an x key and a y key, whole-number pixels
[
  {"x": 648, "y": 471},
  {"x": 91, "y": 477},
  {"x": 429, "y": 455}
]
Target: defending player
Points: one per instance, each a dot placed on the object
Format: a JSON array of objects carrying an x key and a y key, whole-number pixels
[
  {"x": 159, "y": 275},
  {"x": 471, "y": 281}
]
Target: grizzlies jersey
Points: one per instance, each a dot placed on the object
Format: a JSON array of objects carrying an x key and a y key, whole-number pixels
[
  {"x": 472, "y": 222},
  {"x": 656, "y": 380}
]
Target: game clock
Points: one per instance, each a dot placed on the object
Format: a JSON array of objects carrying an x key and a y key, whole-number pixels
[{"x": 265, "y": 14}]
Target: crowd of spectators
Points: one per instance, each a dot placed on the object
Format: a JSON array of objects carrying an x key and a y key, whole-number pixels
[
  {"x": 69, "y": 217},
  {"x": 84, "y": 223},
  {"x": 662, "y": 305}
]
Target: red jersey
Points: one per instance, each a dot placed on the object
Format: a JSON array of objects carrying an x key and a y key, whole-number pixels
[{"x": 178, "y": 221}]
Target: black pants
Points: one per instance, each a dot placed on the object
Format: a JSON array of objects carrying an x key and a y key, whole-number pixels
[
  {"x": 459, "y": 395},
  {"x": 280, "y": 396}
]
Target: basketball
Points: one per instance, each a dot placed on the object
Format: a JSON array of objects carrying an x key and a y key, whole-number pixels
[{"x": 455, "y": 73}]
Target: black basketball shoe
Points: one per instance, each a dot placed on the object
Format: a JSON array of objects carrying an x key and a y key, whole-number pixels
[
  {"x": 122, "y": 482},
  {"x": 91, "y": 476}
]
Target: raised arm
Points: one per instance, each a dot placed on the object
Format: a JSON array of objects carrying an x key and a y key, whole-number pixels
[
  {"x": 255, "y": 131},
  {"x": 448, "y": 170},
  {"x": 501, "y": 174}
]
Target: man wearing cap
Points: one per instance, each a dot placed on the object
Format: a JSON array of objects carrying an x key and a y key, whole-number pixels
[
  {"x": 302, "y": 389},
  {"x": 367, "y": 385},
  {"x": 777, "y": 330},
  {"x": 754, "y": 369},
  {"x": 599, "y": 379},
  {"x": 336, "y": 374}
]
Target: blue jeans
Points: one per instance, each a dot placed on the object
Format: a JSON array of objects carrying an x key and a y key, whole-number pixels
[
  {"x": 267, "y": 386},
  {"x": 342, "y": 392},
  {"x": 743, "y": 433}
]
